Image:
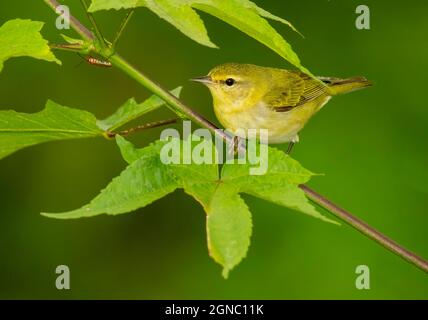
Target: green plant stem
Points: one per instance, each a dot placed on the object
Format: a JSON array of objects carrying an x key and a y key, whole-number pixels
[{"x": 182, "y": 110}]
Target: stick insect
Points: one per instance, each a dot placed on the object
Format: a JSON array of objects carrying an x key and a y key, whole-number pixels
[{"x": 77, "y": 47}]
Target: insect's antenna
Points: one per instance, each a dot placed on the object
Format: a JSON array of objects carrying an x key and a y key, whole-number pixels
[{"x": 122, "y": 28}]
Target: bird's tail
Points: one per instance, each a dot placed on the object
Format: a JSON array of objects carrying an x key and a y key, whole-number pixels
[{"x": 340, "y": 86}]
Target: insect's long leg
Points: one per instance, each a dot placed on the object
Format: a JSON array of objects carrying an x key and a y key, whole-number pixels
[
  {"x": 233, "y": 146},
  {"x": 66, "y": 46},
  {"x": 83, "y": 60},
  {"x": 122, "y": 28}
]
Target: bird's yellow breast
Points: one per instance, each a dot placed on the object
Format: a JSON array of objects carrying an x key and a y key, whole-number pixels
[{"x": 282, "y": 126}]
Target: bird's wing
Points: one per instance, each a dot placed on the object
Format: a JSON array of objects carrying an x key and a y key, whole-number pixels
[{"x": 295, "y": 90}]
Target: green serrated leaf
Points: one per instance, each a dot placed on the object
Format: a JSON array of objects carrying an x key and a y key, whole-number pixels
[
  {"x": 190, "y": 170},
  {"x": 244, "y": 15},
  {"x": 20, "y": 38},
  {"x": 177, "y": 12},
  {"x": 154, "y": 172},
  {"x": 141, "y": 183},
  {"x": 197, "y": 179},
  {"x": 183, "y": 17},
  {"x": 228, "y": 227},
  {"x": 55, "y": 122},
  {"x": 131, "y": 110}
]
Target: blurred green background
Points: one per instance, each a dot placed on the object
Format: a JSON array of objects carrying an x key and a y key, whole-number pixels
[{"x": 371, "y": 145}]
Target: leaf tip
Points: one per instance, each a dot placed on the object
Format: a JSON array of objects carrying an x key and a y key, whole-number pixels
[
  {"x": 75, "y": 214},
  {"x": 212, "y": 45},
  {"x": 225, "y": 273},
  {"x": 50, "y": 215},
  {"x": 57, "y": 61},
  {"x": 177, "y": 91},
  {"x": 331, "y": 221},
  {"x": 208, "y": 43}
]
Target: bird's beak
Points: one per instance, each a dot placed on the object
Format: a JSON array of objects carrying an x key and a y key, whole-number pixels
[{"x": 204, "y": 80}]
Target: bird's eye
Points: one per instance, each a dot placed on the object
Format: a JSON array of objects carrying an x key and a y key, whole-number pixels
[{"x": 230, "y": 82}]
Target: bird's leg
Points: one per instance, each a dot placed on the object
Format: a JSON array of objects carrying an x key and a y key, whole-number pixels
[
  {"x": 290, "y": 147},
  {"x": 233, "y": 147},
  {"x": 291, "y": 144}
]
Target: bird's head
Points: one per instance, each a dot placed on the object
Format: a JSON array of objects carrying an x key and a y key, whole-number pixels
[{"x": 234, "y": 85}]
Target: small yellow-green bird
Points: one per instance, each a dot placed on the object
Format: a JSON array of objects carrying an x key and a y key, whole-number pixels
[{"x": 247, "y": 96}]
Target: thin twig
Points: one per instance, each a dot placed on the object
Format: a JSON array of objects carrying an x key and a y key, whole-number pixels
[
  {"x": 122, "y": 28},
  {"x": 365, "y": 229},
  {"x": 94, "y": 24},
  {"x": 184, "y": 111},
  {"x": 142, "y": 127},
  {"x": 75, "y": 24}
]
